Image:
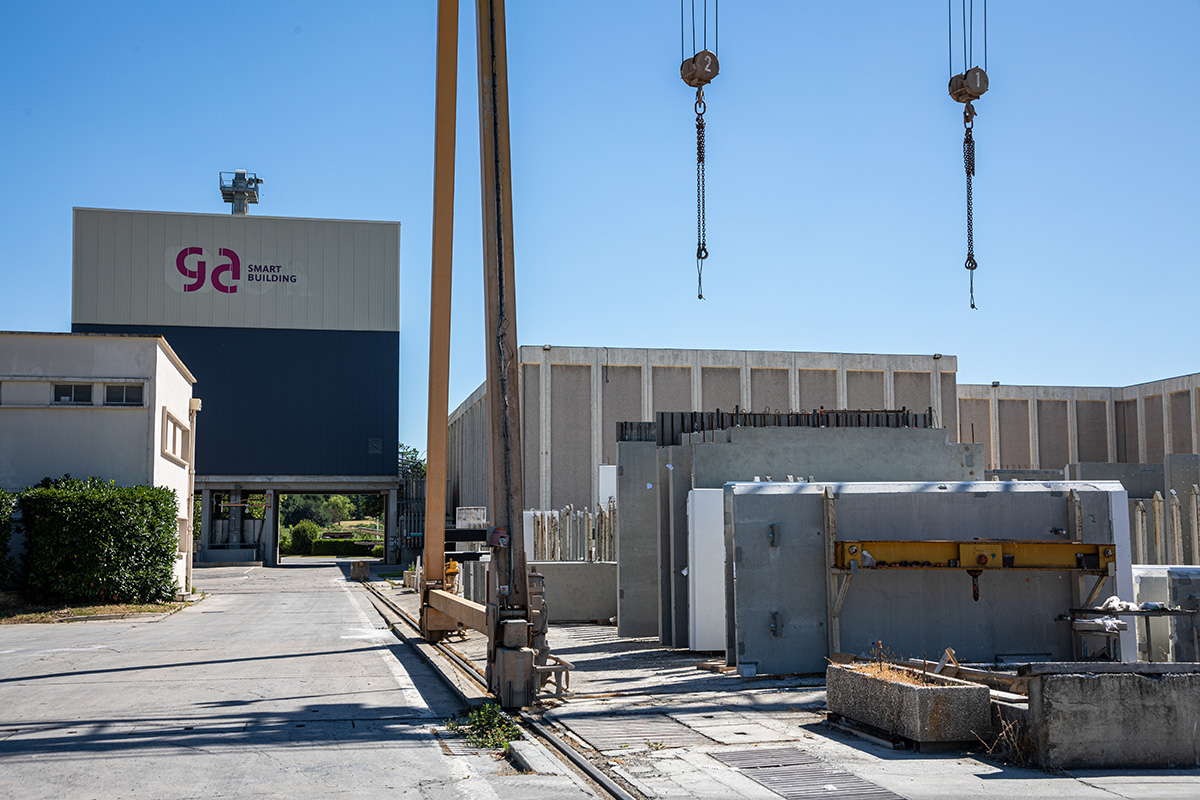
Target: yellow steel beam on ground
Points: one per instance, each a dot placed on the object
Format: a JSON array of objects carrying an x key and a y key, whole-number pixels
[
  {"x": 473, "y": 615},
  {"x": 976, "y": 554},
  {"x": 439, "y": 303}
]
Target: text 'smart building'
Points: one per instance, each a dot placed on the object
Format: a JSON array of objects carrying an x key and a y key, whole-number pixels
[{"x": 291, "y": 328}]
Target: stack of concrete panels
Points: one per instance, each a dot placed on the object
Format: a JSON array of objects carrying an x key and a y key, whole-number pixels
[
  {"x": 654, "y": 483},
  {"x": 776, "y": 588}
]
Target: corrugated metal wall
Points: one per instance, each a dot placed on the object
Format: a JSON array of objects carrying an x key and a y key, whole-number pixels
[
  {"x": 214, "y": 270},
  {"x": 289, "y": 402}
]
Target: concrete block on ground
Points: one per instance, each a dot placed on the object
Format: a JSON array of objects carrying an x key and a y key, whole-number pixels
[
  {"x": 529, "y": 756},
  {"x": 473, "y": 517},
  {"x": 950, "y": 711},
  {"x": 579, "y": 591},
  {"x": 1116, "y": 719}
]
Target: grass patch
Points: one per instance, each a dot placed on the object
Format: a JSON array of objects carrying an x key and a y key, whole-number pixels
[
  {"x": 15, "y": 610},
  {"x": 485, "y": 725}
]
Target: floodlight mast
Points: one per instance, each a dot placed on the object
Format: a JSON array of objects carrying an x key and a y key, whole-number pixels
[{"x": 240, "y": 188}]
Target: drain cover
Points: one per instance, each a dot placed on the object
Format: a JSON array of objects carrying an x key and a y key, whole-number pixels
[
  {"x": 794, "y": 774},
  {"x": 632, "y": 730}
]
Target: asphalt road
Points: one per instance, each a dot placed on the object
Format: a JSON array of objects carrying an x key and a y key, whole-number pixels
[{"x": 280, "y": 683}]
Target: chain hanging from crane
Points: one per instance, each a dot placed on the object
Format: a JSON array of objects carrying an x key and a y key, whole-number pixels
[
  {"x": 966, "y": 87},
  {"x": 697, "y": 71}
]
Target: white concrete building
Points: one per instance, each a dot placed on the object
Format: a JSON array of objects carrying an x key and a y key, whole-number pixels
[{"x": 111, "y": 406}]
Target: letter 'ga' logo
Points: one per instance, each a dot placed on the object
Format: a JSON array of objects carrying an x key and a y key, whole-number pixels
[{"x": 223, "y": 276}]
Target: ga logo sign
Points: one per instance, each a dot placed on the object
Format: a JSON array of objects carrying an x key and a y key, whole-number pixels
[{"x": 189, "y": 271}]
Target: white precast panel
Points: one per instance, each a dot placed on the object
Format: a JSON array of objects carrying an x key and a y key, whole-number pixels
[
  {"x": 706, "y": 569},
  {"x": 234, "y": 271}
]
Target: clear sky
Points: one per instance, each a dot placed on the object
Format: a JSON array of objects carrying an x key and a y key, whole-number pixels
[{"x": 836, "y": 208}]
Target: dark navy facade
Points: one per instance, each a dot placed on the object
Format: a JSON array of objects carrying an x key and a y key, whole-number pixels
[{"x": 288, "y": 401}]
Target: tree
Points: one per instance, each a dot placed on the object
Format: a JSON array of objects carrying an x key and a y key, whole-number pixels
[
  {"x": 412, "y": 465},
  {"x": 294, "y": 508},
  {"x": 339, "y": 507}
]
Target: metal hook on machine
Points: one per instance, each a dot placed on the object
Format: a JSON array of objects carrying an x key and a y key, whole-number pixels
[{"x": 975, "y": 573}]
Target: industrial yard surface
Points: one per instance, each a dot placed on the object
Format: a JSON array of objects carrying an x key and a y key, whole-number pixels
[{"x": 649, "y": 717}]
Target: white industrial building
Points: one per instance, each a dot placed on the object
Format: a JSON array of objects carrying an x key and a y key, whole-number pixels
[{"x": 106, "y": 405}]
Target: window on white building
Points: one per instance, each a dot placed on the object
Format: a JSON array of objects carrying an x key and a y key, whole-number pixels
[
  {"x": 176, "y": 439},
  {"x": 73, "y": 393},
  {"x": 123, "y": 394}
]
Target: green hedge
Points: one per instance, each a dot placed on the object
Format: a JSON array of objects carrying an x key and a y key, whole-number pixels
[
  {"x": 8, "y": 503},
  {"x": 341, "y": 547},
  {"x": 93, "y": 541}
]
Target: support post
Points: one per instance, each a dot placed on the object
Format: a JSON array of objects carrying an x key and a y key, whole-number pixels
[
  {"x": 510, "y": 662},
  {"x": 1175, "y": 519},
  {"x": 391, "y": 509},
  {"x": 270, "y": 529},
  {"x": 439, "y": 310},
  {"x": 833, "y": 625},
  {"x": 205, "y": 519},
  {"x": 1160, "y": 554}
]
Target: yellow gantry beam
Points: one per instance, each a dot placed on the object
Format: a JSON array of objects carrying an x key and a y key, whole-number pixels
[{"x": 974, "y": 554}]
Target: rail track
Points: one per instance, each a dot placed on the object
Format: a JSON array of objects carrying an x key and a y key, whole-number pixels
[{"x": 543, "y": 731}]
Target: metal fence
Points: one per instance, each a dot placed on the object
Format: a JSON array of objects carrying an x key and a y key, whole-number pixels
[
  {"x": 669, "y": 427},
  {"x": 575, "y": 535},
  {"x": 411, "y": 513}
]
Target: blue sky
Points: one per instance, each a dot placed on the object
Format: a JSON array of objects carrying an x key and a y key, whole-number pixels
[{"x": 835, "y": 179}]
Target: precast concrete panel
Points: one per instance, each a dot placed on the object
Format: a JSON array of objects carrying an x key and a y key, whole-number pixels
[
  {"x": 721, "y": 388},
  {"x": 780, "y": 587},
  {"x": 1127, "y": 431},
  {"x": 676, "y": 477},
  {"x": 975, "y": 426},
  {"x": 1141, "y": 481},
  {"x": 818, "y": 389},
  {"x": 949, "y": 419},
  {"x": 233, "y": 271},
  {"x": 637, "y": 540},
  {"x": 864, "y": 389},
  {"x": 706, "y": 569},
  {"x": 672, "y": 387},
  {"x": 779, "y": 584},
  {"x": 1014, "y": 434},
  {"x": 1152, "y": 409},
  {"x": 769, "y": 390},
  {"x": 1091, "y": 423},
  {"x": 571, "y": 436},
  {"x": 1181, "y": 422},
  {"x": 531, "y": 433},
  {"x": 621, "y": 396},
  {"x": 913, "y": 390},
  {"x": 1053, "y": 434}
]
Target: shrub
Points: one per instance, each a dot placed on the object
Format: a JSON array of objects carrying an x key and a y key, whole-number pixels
[
  {"x": 93, "y": 541},
  {"x": 303, "y": 535},
  {"x": 8, "y": 502},
  {"x": 285, "y": 542},
  {"x": 339, "y": 547},
  {"x": 377, "y": 551}
]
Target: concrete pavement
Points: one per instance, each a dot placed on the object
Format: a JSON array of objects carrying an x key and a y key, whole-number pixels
[
  {"x": 280, "y": 683},
  {"x": 650, "y": 719}
]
